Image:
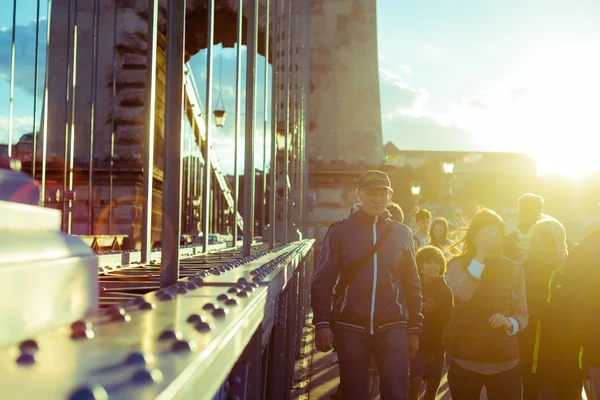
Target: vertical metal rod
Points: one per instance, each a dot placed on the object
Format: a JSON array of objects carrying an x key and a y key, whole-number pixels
[
  {"x": 12, "y": 79},
  {"x": 171, "y": 221},
  {"x": 72, "y": 130},
  {"x": 194, "y": 178},
  {"x": 194, "y": 159},
  {"x": 293, "y": 193},
  {"x": 300, "y": 106},
  {"x": 150, "y": 101},
  {"x": 249, "y": 176},
  {"x": 288, "y": 31},
  {"x": 35, "y": 91},
  {"x": 238, "y": 102},
  {"x": 263, "y": 209},
  {"x": 306, "y": 114},
  {"x": 113, "y": 123},
  {"x": 66, "y": 119},
  {"x": 45, "y": 108},
  {"x": 188, "y": 182},
  {"x": 274, "y": 119},
  {"x": 210, "y": 40},
  {"x": 94, "y": 80}
]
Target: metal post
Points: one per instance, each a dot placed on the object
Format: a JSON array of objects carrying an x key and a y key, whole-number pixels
[
  {"x": 94, "y": 80},
  {"x": 210, "y": 39},
  {"x": 112, "y": 123},
  {"x": 12, "y": 80},
  {"x": 188, "y": 183},
  {"x": 291, "y": 215},
  {"x": 35, "y": 92},
  {"x": 300, "y": 119},
  {"x": 288, "y": 31},
  {"x": 290, "y": 342},
  {"x": 274, "y": 119},
  {"x": 249, "y": 178},
  {"x": 263, "y": 209},
  {"x": 66, "y": 119},
  {"x": 306, "y": 115},
  {"x": 45, "y": 108},
  {"x": 71, "y": 154},
  {"x": 238, "y": 102},
  {"x": 171, "y": 221},
  {"x": 149, "y": 137}
]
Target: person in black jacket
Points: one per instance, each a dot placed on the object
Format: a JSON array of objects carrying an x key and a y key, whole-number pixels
[
  {"x": 545, "y": 257},
  {"x": 378, "y": 313},
  {"x": 437, "y": 311},
  {"x": 573, "y": 338}
]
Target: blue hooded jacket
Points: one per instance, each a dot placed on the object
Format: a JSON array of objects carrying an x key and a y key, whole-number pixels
[{"x": 385, "y": 293}]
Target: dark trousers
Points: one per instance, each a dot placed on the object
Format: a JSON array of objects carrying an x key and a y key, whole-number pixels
[
  {"x": 561, "y": 389},
  {"x": 531, "y": 383},
  {"x": 390, "y": 351},
  {"x": 467, "y": 385}
]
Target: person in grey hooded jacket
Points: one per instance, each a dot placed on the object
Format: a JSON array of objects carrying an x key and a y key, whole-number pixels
[{"x": 378, "y": 314}]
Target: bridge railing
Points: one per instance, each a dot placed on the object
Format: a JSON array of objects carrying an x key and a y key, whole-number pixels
[{"x": 230, "y": 328}]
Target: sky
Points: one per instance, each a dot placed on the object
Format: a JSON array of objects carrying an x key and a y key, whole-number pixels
[
  {"x": 514, "y": 75},
  {"x": 475, "y": 75}
]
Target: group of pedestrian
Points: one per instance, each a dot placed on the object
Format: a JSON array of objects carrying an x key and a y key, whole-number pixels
[{"x": 516, "y": 314}]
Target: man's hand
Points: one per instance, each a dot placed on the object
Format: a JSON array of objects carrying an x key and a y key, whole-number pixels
[
  {"x": 500, "y": 321},
  {"x": 324, "y": 339},
  {"x": 413, "y": 345}
]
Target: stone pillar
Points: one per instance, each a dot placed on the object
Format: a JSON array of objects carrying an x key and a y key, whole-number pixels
[{"x": 345, "y": 136}]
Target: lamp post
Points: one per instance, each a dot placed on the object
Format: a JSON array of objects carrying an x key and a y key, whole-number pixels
[
  {"x": 448, "y": 167},
  {"x": 415, "y": 190}
]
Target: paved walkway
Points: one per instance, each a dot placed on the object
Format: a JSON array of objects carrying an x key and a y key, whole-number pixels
[{"x": 317, "y": 377}]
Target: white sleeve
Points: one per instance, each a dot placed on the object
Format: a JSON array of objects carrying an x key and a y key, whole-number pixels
[{"x": 476, "y": 269}]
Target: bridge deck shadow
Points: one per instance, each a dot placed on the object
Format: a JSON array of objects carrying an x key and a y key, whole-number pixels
[{"x": 323, "y": 376}]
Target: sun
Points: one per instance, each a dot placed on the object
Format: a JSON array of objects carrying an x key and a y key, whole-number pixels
[{"x": 556, "y": 114}]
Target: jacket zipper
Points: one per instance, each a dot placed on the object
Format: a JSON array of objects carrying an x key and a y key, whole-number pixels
[
  {"x": 374, "y": 276},
  {"x": 397, "y": 302}
]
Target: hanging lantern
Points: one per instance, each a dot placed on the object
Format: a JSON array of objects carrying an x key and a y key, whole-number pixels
[
  {"x": 220, "y": 118},
  {"x": 220, "y": 112}
]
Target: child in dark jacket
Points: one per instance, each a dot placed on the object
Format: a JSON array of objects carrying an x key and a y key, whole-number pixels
[{"x": 437, "y": 310}]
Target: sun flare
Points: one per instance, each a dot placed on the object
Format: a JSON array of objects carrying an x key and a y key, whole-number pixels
[{"x": 549, "y": 110}]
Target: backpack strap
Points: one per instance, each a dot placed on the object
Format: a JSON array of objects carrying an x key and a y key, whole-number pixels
[{"x": 346, "y": 279}]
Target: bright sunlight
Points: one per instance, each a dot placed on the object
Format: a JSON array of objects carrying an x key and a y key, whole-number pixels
[{"x": 549, "y": 109}]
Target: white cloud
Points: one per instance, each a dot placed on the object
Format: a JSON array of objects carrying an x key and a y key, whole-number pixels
[
  {"x": 397, "y": 96},
  {"x": 431, "y": 49},
  {"x": 410, "y": 125},
  {"x": 24, "y": 55},
  {"x": 405, "y": 68},
  {"x": 21, "y": 125},
  {"x": 547, "y": 110}
]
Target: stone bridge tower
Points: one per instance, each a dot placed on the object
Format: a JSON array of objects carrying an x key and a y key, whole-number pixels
[
  {"x": 345, "y": 136},
  {"x": 344, "y": 116}
]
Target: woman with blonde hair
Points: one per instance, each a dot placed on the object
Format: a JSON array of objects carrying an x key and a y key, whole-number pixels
[{"x": 545, "y": 258}]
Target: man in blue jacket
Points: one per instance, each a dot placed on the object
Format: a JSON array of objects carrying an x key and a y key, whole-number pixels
[{"x": 376, "y": 313}]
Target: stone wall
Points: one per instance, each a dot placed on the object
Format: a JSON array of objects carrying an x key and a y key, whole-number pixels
[{"x": 345, "y": 136}]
